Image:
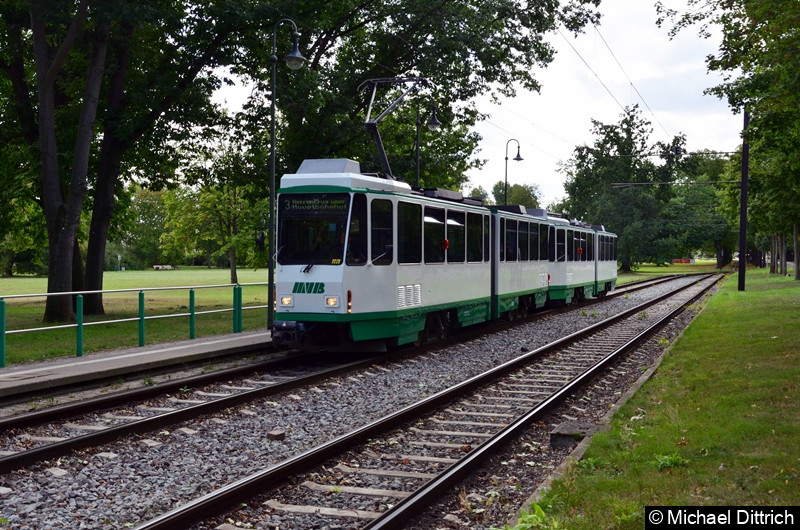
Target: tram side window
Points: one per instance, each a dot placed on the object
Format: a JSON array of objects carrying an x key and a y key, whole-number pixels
[
  {"x": 502, "y": 239},
  {"x": 614, "y": 247},
  {"x": 434, "y": 235},
  {"x": 561, "y": 245},
  {"x": 381, "y": 230},
  {"x": 523, "y": 241},
  {"x": 534, "y": 241},
  {"x": 409, "y": 233},
  {"x": 487, "y": 238},
  {"x": 356, "y": 249},
  {"x": 551, "y": 244},
  {"x": 580, "y": 239},
  {"x": 590, "y": 247},
  {"x": 474, "y": 237},
  {"x": 570, "y": 245},
  {"x": 511, "y": 240},
  {"x": 543, "y": 242},
  {"x": 456, "y": 233}
]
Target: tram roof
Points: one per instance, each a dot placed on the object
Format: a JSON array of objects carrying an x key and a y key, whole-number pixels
[{"x": 340, "y": 172}]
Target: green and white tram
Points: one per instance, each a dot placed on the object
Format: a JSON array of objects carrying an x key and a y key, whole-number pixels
[
  {"x": 362, "y": 258},
  {"x": 368, "y": 260}
]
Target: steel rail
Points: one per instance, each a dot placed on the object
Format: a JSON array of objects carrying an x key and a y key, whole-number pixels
[
  {"x": 57, "y": 449},
  {"x": 39, "y": 417},
  {"x": 273, "y": 477}
]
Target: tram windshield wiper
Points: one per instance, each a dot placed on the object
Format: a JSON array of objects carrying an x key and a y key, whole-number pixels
[{"x": 320, "y": 256}]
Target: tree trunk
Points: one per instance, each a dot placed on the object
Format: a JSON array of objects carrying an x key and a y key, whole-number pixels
[
  {"x": 98, "y": 233},
  {"x": 108, "y": 171},
  {"x": 796, "y": 244},
  {"x": 62, "y": 211},
  {"x": 232, "y": 257},
  {"x": 772, "y": 254},
  {"x": 77, "y": 273},
  {"x": 784, "y": 265},
  {"x": 720, "y": 254}
]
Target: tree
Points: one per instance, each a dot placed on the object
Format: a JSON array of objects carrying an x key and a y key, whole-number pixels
[
  {"x": 142, "y": 238},
  {"x": 615, "y": 183},
  {"x": 694, "y": 215},
  {"x": 120, "y": 85},
  {"x": 221, "y": 211},
  {"x": 480, "y": 192},
  {"x": 759, "y": 60},
  {"x": 140, "y": 68},
  {"x": 525, "y": 194},
  {"x": 465, "y": 48}
]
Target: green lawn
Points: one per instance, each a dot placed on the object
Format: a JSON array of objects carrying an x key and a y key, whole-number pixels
[
  {"x": 646, "y": 270},
  {"x": 27, "y": 313},
  {"x": 718, "y": 423}
]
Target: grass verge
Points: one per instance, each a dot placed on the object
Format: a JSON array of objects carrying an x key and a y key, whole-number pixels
[
  {"x": 718, "y": 424},
  {"x": 647, "y": 271},
  {"x": 27, "y": 313}
]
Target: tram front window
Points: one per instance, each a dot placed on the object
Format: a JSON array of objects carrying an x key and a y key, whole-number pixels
[{"x": 312, "y": 228}]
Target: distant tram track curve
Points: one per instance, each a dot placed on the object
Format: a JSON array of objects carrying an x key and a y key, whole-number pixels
[{"x": 127, "y": 482}]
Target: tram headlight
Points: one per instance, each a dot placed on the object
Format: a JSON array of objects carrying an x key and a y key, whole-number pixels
[
  {"x": 332, "y": 301},
  {"x": 287, "y": 301}
]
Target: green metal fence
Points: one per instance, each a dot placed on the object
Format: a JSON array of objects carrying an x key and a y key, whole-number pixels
[{"x": 236, "y": 309}]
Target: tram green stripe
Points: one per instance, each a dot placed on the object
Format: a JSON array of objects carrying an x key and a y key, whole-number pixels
[{"x": 401, "y": 313}]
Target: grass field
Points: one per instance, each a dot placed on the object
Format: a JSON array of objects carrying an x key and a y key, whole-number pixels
[
  {"x": 27, "y": 313},
  {"x": 648, "y": 271},
  {"x": 717, "y": 425}
]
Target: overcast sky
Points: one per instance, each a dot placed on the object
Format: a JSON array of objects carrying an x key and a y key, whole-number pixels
[{"x": 669, "y": 75}]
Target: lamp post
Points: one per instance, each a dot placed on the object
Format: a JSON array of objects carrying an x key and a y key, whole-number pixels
[
  {"x": 433, "y": 125},
  {"x": 516, "y": 158},
  {"x": 294, "y": 60}
]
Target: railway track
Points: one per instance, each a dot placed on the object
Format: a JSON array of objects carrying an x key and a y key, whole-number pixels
[
  {"x": 89, "y": 422},
  {"x": 56, "y": 431},
  {"x": 419, "y": 452},
  {"x": 82, "y": 397}
]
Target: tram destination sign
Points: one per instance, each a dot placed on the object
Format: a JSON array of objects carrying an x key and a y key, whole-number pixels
[{"x": 317, "y": 204}]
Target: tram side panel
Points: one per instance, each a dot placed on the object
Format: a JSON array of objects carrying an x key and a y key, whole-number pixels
[
  {"x": 606, "y": 257},
  {"x": 427, "y": 271},
  {"x": 443, "y": 265},
  {"x": 580, "y": 262},
  {"x": 520, "y": 278}
]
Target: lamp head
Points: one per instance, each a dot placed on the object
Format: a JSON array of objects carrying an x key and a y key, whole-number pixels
[
  {"x": 294, "y": 60},
  {"x": 434, "y": 124},
  {"x": 518, "y": 158}
]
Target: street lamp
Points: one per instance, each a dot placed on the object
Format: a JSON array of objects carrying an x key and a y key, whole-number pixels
[
  {"x": 433, "y": 125},
  {"x": 294, "y": 60},
  {"x": 516, "y": 158}
]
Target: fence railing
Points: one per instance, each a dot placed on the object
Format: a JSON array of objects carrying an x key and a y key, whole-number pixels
[{"x": 236, "y": 308}]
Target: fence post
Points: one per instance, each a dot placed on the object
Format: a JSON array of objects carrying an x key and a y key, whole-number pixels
[
  {"x": 79, "y": 321},
  {"x": 2, "y": 333},
  {"x": 239, "y": 303},
  {"x": 237, "y": 308},
  {"x": 192, "y": 323},
  {"x": 141, "y": 318}
]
